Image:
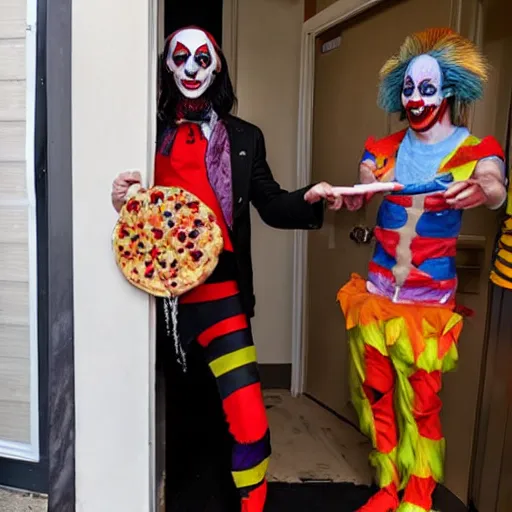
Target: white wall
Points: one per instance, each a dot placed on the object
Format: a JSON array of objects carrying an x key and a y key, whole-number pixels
[
  {"x": 111, "y": 94},
  {"x": 269, "y": 33}
]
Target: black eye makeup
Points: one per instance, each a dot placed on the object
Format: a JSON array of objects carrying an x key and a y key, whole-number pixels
[
  {"x": 203, "y": 59},
  {"x": 180, "y": 58},
  {"x": 426, "y": 88},
  {"x": 408, "y": 89}
]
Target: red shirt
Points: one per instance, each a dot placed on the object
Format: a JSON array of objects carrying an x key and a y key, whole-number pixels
[{"x": 185, "y": 167}]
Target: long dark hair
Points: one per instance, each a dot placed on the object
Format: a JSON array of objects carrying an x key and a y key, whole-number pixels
[{"x": 220, "y": 93}]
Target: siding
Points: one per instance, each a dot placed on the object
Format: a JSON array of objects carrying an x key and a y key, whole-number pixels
[{"x": 14, "y": 285}]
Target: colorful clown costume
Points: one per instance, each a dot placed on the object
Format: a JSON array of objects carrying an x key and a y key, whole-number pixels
[{"x": 402, "y": 330}]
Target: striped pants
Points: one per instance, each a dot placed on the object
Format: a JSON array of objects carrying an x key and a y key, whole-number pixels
[{"x": 222, "y": 330}]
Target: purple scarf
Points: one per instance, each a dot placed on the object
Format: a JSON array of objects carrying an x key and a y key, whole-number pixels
[{"x": 218, "y": 165}]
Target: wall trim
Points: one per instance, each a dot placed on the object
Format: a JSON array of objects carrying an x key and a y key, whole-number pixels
[
  {"x": 155, "y": 30},
  {"x": 338, "y": 12},
  {"x": 61, "y": 361}
]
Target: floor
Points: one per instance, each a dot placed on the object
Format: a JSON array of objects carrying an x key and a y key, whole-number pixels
[
  {"x": 310, "y": 444},
  {"x": 12, "y": 501}
]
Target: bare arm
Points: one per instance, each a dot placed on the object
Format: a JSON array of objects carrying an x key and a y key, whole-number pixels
[{"x": 485, "y": 187}]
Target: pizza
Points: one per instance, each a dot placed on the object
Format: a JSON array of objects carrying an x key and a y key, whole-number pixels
[{"x": 166, "y": 241}]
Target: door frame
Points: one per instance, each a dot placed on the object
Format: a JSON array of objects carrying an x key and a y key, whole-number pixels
[{"x": 340, "y": 11}]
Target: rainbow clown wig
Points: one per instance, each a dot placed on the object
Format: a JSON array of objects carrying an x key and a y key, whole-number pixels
[{"x": 463, "y": 67}]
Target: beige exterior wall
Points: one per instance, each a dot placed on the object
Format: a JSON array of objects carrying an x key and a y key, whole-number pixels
[
  {"x": 113, "y": 107},
  {"x": 269, "y": 36},
  {"x": 17, "y": 342}
]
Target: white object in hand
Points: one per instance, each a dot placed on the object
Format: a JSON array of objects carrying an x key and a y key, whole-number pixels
[{"x": 368, "y": 188}]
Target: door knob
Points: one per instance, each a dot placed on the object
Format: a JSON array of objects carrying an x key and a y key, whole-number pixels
[{"x": 361, "y": 235}]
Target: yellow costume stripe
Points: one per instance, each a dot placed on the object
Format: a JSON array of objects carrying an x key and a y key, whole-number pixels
[
  {"x": 463, "y": 172},
  {"x": 250, "y": 477},
  {"x": 504, "y": 271},
  {"x": 499, "y": 281},
  {"x": 233, "y": 360}
]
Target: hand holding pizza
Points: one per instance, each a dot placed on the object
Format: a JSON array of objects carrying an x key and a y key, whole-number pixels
[{"x": 121, "y": 185}]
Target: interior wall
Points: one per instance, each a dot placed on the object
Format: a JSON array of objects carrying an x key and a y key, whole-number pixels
[
  {"x": 112, "y": 109},
  {"x": 323, "y": 4},
  {"x": 269, "y": 38}
]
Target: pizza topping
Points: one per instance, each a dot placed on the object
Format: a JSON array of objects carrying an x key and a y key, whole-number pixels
[
  {"x": 198, "y": 223},
  {"x": 123, "y": 232},
  {"x": 133, "y": 206},
  {"x": 178, "y": 206},
  {"x": 190, "y": 245},
  {"x": 194, "y": 206},
  {"x": 181, "y": 250},
  {"x": 167, "y": 214},
  {"x": 157, "y": 197},
  {"x": 196, "y": 255},
  {"x": 135, "y": 238},
  {"x": 155, "y": 252},
  {"x": 170, "y": 223},
  {"x": 174, "y": 263},
  {"x": 182, "y": 236},
  {"x": 155, "y": 221},
  {"x": 193, "y": 234},
  {"x": 158, "y": 233}
]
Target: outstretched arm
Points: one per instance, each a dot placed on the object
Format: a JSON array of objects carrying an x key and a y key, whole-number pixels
[
  {"x": 277, "y": 207},
  {"x": 485, "y": 187},
  {"x": 366, "y": 175}
]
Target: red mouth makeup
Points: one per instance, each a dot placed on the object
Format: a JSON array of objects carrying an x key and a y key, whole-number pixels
[
  {"x": 422, "y": 117},
  {"x": 191, "y": 85}
]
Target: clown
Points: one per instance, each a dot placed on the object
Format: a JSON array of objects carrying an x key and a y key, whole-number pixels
[
  {"x": 401, "y": 322},
  {"x": 222, "y": 161}
]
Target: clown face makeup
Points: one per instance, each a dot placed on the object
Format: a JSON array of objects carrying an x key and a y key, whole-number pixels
[
  {"x": 422, "y": 96},
  {"x": 193, "y": 61}
]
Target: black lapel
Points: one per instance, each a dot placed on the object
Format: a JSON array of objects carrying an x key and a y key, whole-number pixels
[{"x": 241, "y": 158}]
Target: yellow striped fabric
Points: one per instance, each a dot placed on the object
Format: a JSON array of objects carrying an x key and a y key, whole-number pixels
[
  {"x": 233, "y": 360},
  {"x": 250, "y": 477},
  {"x": 464, "y": 171},
  {"x": 501, "y": 273}
]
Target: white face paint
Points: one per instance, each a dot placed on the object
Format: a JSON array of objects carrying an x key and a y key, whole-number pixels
[
  {"x": 192, "y": 59},
  {"x": 422, "y": 95}
]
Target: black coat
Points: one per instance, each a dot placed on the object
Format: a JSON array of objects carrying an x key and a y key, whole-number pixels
[{"x": 253, "y": 183}]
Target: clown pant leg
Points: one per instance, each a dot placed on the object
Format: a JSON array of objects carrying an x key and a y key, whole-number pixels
[
  {"x": 231, "y": 356},
  {"x": 422, "y": 442},
  {"x": 372, "y": 383}
]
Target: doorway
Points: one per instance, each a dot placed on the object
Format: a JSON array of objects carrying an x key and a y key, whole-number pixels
[
  {"x": 174, "y": 14},
  {"x": 347, "y": 58}
]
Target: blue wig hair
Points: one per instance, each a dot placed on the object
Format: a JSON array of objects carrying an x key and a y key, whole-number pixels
[{"x": 463, "y": 68}]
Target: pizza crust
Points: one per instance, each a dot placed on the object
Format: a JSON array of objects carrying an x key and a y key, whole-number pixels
[{"x": 166, "y": 241}]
